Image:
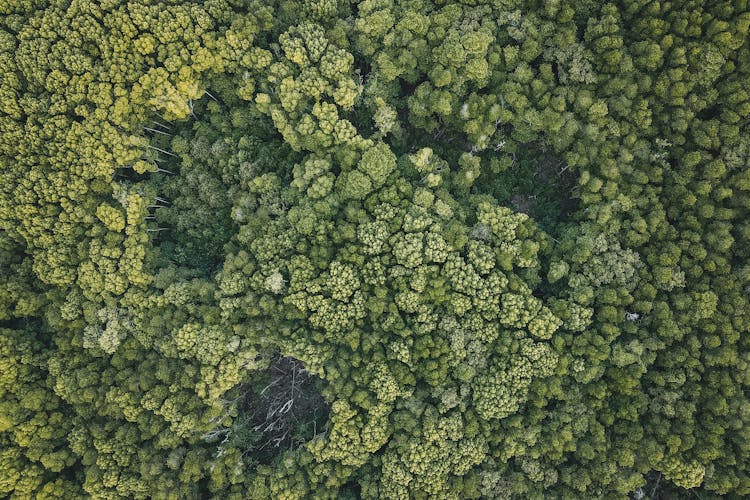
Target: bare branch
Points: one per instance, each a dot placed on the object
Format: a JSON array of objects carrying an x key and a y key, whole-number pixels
[
  {"x": 159, "y": 124},
  {"x": 162, "y": 151},
  {"x": 156, "y": 131}
]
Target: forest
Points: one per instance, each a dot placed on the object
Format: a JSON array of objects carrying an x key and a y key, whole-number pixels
[{"x": 377, "y": 249}]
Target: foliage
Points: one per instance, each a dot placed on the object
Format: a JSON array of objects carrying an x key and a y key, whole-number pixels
[{"x": 376, "y": 249}]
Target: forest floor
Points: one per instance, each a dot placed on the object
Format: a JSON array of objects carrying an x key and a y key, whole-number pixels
[
  {"x": 282, "y": 409},
  {"x": 537, "y": 183}
]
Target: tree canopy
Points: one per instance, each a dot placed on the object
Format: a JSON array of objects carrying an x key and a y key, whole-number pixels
[{"x": 380, "y": 249}]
